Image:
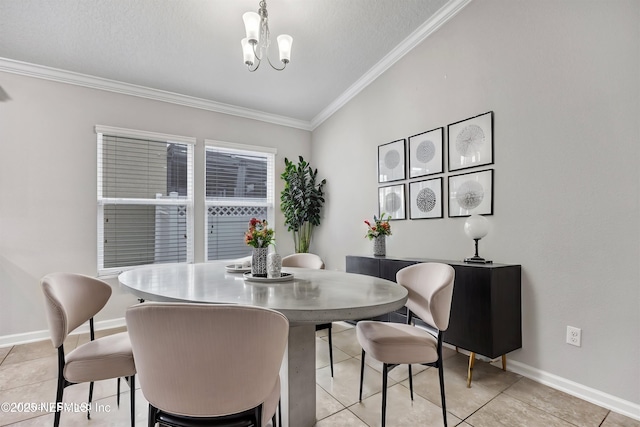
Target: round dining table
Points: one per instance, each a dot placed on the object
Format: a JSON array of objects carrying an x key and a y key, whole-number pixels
[{"x": 307, "y": 297}]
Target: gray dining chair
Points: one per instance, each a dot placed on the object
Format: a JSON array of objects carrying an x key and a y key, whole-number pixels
[
  {"x": 70, "y": 300},
  {"x": 430, "y": 287},
  {"x": 307, "y": 260},
  {"x": 208, "y": 364}
]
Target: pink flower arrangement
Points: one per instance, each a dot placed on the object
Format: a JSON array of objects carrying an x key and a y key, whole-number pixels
[
  {"x": 258, "y": 235},
  {"x": 380, "y": 226}
]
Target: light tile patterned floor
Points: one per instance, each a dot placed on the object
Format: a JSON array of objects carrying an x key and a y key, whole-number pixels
[{"x": 497, "y": 398}]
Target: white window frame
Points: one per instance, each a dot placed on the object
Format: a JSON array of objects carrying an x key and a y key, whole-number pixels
[
  {"x": 187, "y": 201},
  {"x": 236, "y": 148}
]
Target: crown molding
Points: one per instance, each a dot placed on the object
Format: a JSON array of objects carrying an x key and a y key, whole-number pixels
[
  {"x": 443, "y": 15},
  {"x": 78, "y": 79}
]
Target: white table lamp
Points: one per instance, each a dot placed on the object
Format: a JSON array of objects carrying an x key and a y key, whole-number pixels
[{"x": 476, "y": 227}]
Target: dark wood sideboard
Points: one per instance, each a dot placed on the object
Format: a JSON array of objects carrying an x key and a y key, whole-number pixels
[{"x": 486, "y": 316}]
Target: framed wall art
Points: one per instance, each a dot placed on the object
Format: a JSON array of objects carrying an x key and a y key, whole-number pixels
[
  {"x": 471, "y": 193},
  {"x": 425, "y": 153},
  {"x": 391, "y": 201},
  {"x": 471, "y": 142},
  {"x": 425, "y": 199},
  {"x": 391, "y": 161}
]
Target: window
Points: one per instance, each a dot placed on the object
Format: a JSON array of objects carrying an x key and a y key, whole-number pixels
[
  {"x": 145, "y": 198},
  {"x": 239, "y": 186}
]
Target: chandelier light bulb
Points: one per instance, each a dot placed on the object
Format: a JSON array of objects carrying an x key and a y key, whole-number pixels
[
  {"x": 247, "y": 52},
  {"x": 284, "y": 45},
  {"x": 252, "y": 26}
]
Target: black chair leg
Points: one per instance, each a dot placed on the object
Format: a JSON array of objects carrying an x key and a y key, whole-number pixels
[
  {"x": 118, "y": 394},
  {"x": 384, "y": 392},
  {"x": 330, "y": 350},
  {"x": 444, "y": 406},
  {"x": 61, "y": 385},
  {"x": 361, "y": 375},
  {"x": 280, "y": 412},
  {"x": 90, "y": 398},
  {"x": 410, "y": 382},
  {"x": 59, "y": 391},
  {"x": 153, "y": 414},
  {"x": 257, "y": 417},
  {"x": 132, "y": 386}
]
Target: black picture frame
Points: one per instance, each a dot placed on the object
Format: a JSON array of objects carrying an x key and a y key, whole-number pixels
[
  {"x": 391, "y": 161},
  {"x": 426, "y": 153},
  {"x": 471, "y": 142},
  {"x": 425, "y": 199},
  {"x": 391, "y": 200},
  {"x": 471, "y": 193}
]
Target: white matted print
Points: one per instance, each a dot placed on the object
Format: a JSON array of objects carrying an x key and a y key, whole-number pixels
[
  {"x": 471, "y": 142},
  {"x": 426, "y": 199},
  {"x": 425, "y": 153},
  {"x": 391, "y": 201},
  {"x": 471, "y": 193},
  {"x": 391, "y": 161}
]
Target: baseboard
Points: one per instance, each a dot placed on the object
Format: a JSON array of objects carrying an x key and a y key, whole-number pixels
[
  {"x": 608, "y": 401},
  {"x": 613, "y": 403},
  {"x": 17, "y": 339}
]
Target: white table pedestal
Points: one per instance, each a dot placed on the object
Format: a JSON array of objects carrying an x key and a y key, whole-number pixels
[{"x": 298, "y": 377}]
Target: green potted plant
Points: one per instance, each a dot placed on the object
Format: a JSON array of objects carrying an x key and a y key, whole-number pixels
[{"x": 301, "y": 201}]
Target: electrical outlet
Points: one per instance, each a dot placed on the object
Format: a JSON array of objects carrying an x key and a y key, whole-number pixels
[{"x": 574, "y": 336}]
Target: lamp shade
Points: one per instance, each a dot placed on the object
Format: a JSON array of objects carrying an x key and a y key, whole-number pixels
[
  {"x": 252, "y": 26},
  {"x": 247, "y": 52},
  {"x": 284, "y": 45},
  {"x": 476, "y": 226}
]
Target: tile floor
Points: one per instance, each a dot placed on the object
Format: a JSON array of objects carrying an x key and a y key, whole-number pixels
[{"x": 497, "y": 398}]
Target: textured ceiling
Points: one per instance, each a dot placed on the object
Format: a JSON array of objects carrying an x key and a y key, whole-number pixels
[{"x": 192, "y": 47}]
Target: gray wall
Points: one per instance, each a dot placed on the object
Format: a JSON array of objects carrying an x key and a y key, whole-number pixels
[
  {"x": 563, "y": 80},
  {"x": 48, "y": 209}
]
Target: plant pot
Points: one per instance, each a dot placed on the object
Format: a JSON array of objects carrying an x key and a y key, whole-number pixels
[
  {"x": 259, "y": 262},
  {"x": 380, "y": 246}
]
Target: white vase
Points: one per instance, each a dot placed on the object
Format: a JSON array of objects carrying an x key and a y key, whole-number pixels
[{"x": 274, "y": 265}]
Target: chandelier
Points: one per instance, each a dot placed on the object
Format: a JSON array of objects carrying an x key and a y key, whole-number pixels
[{"x": 255, "y": 47}]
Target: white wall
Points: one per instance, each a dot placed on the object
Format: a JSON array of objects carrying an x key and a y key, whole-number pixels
[
  {"x": 563, "y": 80},
  {"x": 48, "y": 208}
]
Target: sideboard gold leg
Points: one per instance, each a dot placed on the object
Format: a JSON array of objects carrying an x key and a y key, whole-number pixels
[
  {"x": 504, "y": 362},
  {"x": 472, "y": 361}
]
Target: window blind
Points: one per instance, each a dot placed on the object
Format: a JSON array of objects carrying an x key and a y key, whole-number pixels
[
  {"x": 145, "y": 198},
  {"x": 239, "y": 182}
]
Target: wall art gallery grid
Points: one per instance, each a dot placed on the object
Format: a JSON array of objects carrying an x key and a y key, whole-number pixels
[{"x": 419, "y": 159}]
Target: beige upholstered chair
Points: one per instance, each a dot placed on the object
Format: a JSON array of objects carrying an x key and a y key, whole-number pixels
[
  {"x": 430, "y": 287},
  {"x": 305, "y": 260},
  {"x": 208, "y": 364},
  {"x": 70, "y": 300}
]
